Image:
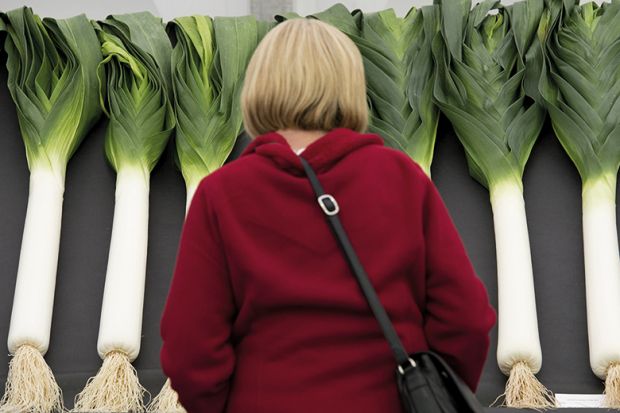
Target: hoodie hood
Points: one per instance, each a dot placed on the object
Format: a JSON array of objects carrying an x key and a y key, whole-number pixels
[{"x": 321, "y": 154}]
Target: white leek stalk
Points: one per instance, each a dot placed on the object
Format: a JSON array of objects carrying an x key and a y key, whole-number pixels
[
  {"x": 190, "y": 191},
  {"x": 123, "y": 297},
  {"x": 31, "y": 317},
  {"x": 519, "y": 355},
  {"x": 602, "y": 268},
  {"x": 33, "y": 302},
  {"x": 518, "y": 339},
  {"x": 115, "y": 387}
]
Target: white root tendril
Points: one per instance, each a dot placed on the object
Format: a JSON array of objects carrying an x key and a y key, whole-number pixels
[
  {"x": 30, "y": 384},
  {"x": 115, "y": 388},
  {"x": 524, "y": 391},
  {"x": 612, "y": 387},
  {"x": 167, "y": 401}
]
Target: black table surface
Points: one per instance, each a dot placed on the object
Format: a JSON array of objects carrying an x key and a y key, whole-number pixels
[{"x": 552, "y": 191}]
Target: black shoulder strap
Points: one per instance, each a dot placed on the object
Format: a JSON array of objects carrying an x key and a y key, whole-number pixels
[{"x": 330, "y": 207}]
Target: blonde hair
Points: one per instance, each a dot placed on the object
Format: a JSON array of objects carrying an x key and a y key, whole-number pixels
[{"x": 304, "y": 74}]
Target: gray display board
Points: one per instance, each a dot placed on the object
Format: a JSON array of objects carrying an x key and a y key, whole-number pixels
[{"x": 553, "y": 202}]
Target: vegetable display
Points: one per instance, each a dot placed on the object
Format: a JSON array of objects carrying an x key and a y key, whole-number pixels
[
  {"x": 52, "y": 80},
  {"x": 489, "y": 96},
  {"x": 210, "y": 57},
  {"x": 581, "y": 88},
  {"x": 494, "y": 71},
  {"x": 134, "y": 90}
]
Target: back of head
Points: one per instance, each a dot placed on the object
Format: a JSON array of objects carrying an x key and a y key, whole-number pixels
[{"x": 305, "y": 74}]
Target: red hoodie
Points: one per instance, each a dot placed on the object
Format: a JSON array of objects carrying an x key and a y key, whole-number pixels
[{"x": 265, "y": 316}]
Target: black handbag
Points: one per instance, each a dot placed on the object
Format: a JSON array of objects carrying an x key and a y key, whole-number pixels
[{"x": 425, "y": 382}]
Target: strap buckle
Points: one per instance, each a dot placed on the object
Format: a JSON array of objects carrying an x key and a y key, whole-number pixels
[
  {"x": 328, "y": 204},
  {"x": 402, "y": 369}
]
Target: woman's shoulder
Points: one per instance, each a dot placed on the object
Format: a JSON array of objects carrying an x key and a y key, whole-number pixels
[
  {"x": 394, "y": 165},
  {"x": 395, "y": 160},
  {"x": 230, "y": 179}
]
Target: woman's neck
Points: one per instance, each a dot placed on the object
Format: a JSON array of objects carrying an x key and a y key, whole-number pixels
[{"x": 299, "y": 139}]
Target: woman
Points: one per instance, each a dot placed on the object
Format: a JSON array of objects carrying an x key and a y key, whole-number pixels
[{"x": 264, "y": 315}]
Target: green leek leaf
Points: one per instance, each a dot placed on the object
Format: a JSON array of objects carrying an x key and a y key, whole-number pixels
[
  {"x": 385, "y": 86},
  {"x": 486, "y": 89},
  {"x": 135, "y": 89},
  {"x": 400, "y": 72},
  {"x": 52, "y": 79},
  {"x": 407, "y": 44},
  {"x": 210, "y": 57},
  {"x": 581, "y": 85}
]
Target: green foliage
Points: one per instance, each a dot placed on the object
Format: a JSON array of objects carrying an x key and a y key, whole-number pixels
[
  {"x": 135, "y": 90},
  {"x": 210, "y": 57},
  {"x": 406, "y": 44},
  {"x": 581, "y": 84},
  {"x": 488, "y": 63},
  {"x": 399, "y": 72},
  {"x": 52, "y": 80}
]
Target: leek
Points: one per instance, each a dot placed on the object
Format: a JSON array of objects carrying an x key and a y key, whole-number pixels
[
  {"x": 210, "y": 57},
  {"x": 489, "y": 94},
  {"x": 52, "y": 79},
  {"x": 134, "y": 92},
  {"x": 581, "y": 88}
]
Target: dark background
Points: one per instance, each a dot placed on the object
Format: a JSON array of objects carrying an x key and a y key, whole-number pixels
[{"x": 553, "y": 201}]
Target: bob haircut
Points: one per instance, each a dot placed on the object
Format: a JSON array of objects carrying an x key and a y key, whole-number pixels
[{"x": 304, "y": 74}]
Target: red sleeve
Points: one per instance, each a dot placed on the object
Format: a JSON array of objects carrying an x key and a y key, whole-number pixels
[
  {"x": 196, "y": 325},
  {"x": 458, "y": 314}
]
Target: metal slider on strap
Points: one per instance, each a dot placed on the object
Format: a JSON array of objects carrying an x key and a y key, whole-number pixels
[
  {"x": 410, "y": 364},
  {"x": 328, "y": 204}
]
